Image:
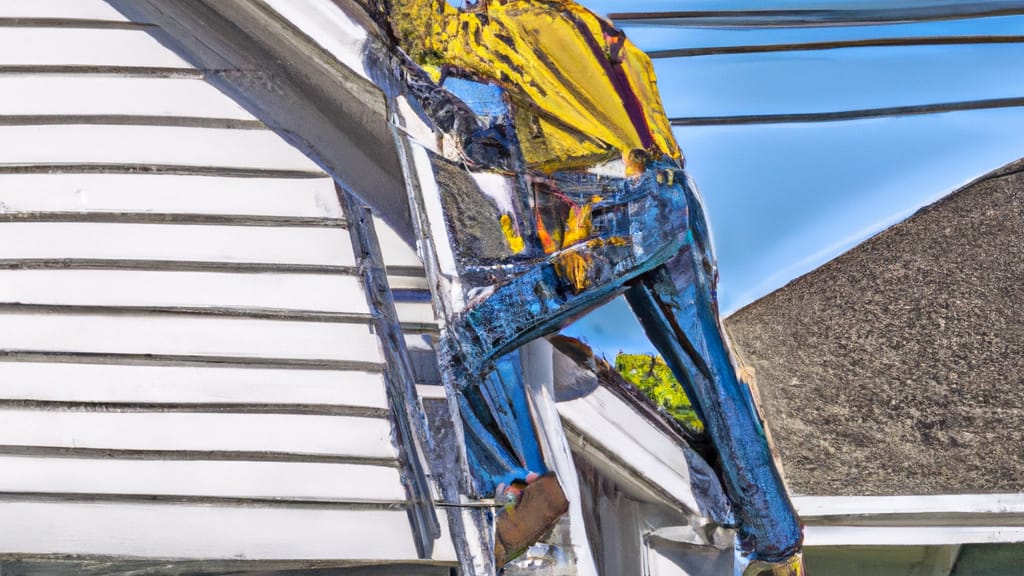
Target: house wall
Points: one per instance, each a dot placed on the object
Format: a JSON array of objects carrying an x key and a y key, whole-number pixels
[{"x": 188, "y": 368}]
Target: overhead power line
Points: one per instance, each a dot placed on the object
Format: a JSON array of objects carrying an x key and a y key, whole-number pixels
[
  {"x": 835, "y": 44},
  {"x": 848, "y": 114},
  {"x": 798, "y": 18}
]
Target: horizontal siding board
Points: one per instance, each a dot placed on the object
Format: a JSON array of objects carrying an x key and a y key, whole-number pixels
[
  {"x": 166, "y": 194},
  {"x": 419, "y": 342},
  {"x": 166, "y": 145},
  {"x": 173, "y": 266},
  {"x": 265, "y": 480},
  {"x": 395, "y": 251},
  {"x": 310, "y": 292},
  {"x": 176, "y": 384},
  {"x": 204, "y": 455},
  {"x": 408, "y": 282},
  {"x": 94, "y": 47},
  {"x": 205, "y": 532},
  {"x": 416, "y": 312},
  {"x": 110, "y": 95},
  {"x": 153, "y": 168},
  {"x": 194, "y": 408},
  {"x": 430, "y": 392},
  {"x": 185, "y": 360},
  {"x": 171, "y": 218},
  {"x": 83, "y": 9},
  {"x": 205, "y": 243},
  {"x": 281, "y": 433},
  {"x": 188, "y": 336}
]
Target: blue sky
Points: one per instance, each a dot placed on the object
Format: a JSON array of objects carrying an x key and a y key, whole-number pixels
[{"x": 785, "y": 198}]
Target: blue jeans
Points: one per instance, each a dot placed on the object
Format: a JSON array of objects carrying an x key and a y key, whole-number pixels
[{"x": 637, "y": 225}]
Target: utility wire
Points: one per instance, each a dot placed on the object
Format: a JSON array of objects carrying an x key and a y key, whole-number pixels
[
  {"x": 848, "y": 114},
  {"x": 835, "y": 44},
  {"x": 801, "y": 18}
]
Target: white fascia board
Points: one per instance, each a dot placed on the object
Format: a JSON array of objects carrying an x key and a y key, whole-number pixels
[
  {"x": 606, "y": 429},
  {"x": 875, "y": 506},
  {"x": 329, "y": 26},
  {"x": 910, "y": 535},
  {"x": 935, "y": 520}
]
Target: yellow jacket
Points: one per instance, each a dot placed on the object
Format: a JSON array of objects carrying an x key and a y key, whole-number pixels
[{"x": 581, "y": 93}]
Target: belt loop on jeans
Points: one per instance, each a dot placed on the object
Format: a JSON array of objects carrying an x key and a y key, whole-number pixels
[{"x": 669, "y": 176}]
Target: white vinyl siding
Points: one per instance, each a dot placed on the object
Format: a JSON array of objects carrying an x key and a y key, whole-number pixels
[{"x": 188, "y": 365}]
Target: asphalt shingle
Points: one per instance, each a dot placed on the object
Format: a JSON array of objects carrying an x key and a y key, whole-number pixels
[{"x": 898, "y": 367}]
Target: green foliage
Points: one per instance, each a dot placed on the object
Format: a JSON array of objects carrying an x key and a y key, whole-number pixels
[{"x": 652, "y": 376}]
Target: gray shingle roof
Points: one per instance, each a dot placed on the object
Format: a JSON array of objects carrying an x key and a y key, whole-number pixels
[{"x": 897, "y": 368}]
